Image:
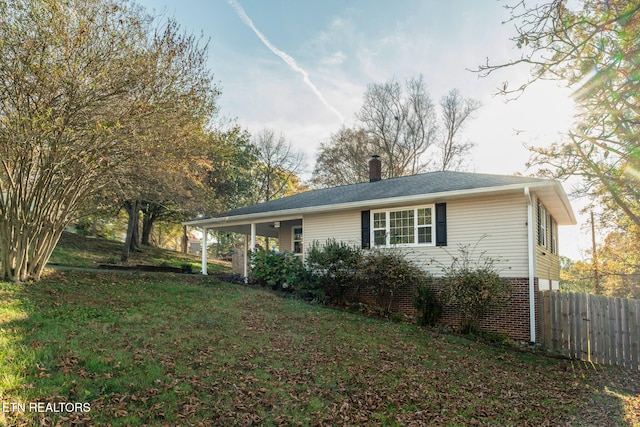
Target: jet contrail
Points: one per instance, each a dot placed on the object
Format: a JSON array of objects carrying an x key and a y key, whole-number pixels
[{"x": 286, "y": 58}]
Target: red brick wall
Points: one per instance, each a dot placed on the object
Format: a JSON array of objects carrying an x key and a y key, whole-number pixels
[{"x": 512, "y": 321}]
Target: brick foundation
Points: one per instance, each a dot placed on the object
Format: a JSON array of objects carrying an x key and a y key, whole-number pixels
[{"x": 513, "y": 321}]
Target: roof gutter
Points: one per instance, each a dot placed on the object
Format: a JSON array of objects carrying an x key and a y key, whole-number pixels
[{"x": 532, "y": 267}]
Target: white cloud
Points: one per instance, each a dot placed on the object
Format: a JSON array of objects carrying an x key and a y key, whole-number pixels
[
  {"x": 284, "y": 56},
  {"x": 336, "y": 58}
]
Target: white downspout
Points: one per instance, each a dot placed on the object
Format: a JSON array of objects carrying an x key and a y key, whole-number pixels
[
  {"x": 532, "y": 266},
  {"x": 204, "y": 251}
]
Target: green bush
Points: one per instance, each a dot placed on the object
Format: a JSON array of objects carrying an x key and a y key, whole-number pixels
[
  {"x": 335, "y": 266},
  {"x": 386, "y": 272},
  {"x": 278, "y": 271},
  {"x": 427, "y": 304},
  {"x": 474, "y": 286}
]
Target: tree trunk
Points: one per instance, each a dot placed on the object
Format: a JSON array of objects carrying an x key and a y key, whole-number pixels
[
  {"x": 130, "y": 244},
  {"x": 185, "y": 240},
  {"x": 25, "y": 250},
  {"x": 147, "y": 227},
  {"x": 150, "y": 213}
]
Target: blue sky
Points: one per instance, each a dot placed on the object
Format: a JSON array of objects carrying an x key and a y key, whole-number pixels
[{"x": 342, "y": 46}]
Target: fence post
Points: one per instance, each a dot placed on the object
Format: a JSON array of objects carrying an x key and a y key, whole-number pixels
[
  {"x": 582, "y": 336},
  {"x": 565, "y": 330},
  {"x": 555, "y": 321},
  {"x": 634, "y": 332},
  {"x": 616, "y": 336},
  {"x": 574, "y": 326},
  {"x": 545, "y": 318}
]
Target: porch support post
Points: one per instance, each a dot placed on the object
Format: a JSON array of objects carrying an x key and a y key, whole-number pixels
[
  {"x": 532, "y": 266},
  {"x": 253, "y": 237},
  {"x": 204, "y": 251},
  {"x": 245, "y": 257}
]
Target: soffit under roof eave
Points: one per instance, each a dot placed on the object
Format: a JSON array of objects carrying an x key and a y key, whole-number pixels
[{"x": 555, "y": 199}]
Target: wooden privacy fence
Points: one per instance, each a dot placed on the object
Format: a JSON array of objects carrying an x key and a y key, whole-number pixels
[{"x": 595, "y": 328}]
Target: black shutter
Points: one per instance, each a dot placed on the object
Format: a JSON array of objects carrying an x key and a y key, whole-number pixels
[
  {"x": 441, "y": 224},
  {"x": 366, "y": 229}
]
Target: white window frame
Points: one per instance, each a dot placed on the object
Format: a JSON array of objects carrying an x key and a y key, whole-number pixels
[
  {"x": 294, "y": 240},
  {"x": 542, "y": 230},
  {"x": 416, "y": 227}
]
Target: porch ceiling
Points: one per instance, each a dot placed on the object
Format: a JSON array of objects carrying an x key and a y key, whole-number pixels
[{"x": 265, "y": 229}]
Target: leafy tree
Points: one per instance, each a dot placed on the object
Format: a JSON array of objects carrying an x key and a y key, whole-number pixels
[
  {"x": 619, "y": 260},
  {"x": 84, "y": 84},
  {"x": 576, "y": 276},
  {"x": 215, "y": 178},
  {"x": 618, "y": 266},
  {"x": 591, "y": 46},
  {"x": 229, "y": 170},
  {"x": 343, "y": 159}
]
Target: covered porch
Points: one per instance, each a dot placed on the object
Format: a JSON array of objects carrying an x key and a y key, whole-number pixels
[{"x": 288, "y": 231}]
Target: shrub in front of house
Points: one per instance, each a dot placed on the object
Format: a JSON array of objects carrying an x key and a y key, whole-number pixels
[
  {"x": 278, "y": 271},
  {"x": 336, "y": 267},
  {"x": 427, "y": 304},
  {"x": 474, "y": 286},
  {"x": 387, "y": 272}
]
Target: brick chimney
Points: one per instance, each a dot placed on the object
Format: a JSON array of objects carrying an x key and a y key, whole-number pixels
[{"x": 375, "y": 168}]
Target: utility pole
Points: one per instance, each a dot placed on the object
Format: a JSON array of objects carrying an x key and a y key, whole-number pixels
[{"x": 594, "y": 256}]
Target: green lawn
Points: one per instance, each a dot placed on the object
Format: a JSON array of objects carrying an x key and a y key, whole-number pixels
[
  {"x": 165, "y": 349},
  {"x": 78, "y": 251}
]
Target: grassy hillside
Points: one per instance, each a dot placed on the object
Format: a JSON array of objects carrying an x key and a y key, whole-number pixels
[
  {"x": 158, "y": 349},
  {"x": 101, "y": 348},
  {"x": 79, "y": 251}
]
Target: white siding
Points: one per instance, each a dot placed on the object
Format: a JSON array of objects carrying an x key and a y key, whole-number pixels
[
  {"x": 285, "y": 234},
  {"x": 547, "y": 263},
  {"x": 501, "y": 220},
  {"x": 345, "y": 226},
  {"x": 498, "y": 225}
]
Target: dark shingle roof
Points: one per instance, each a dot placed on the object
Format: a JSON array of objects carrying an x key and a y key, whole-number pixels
[{"x": 414, "y": 185}]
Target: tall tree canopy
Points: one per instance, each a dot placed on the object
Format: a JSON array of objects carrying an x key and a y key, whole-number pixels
[
  {"x": 343, "y": 159},
  {"x": 456, "y": 112},
  {"x": 401, "y": 124},
  {"x": 85, "y": 88},
  {"x": 593, "y": 46},
  {"x": 278, "y": 165}
]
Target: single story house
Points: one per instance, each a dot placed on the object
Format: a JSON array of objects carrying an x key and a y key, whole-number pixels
[{"x": 511, "y": 218}]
